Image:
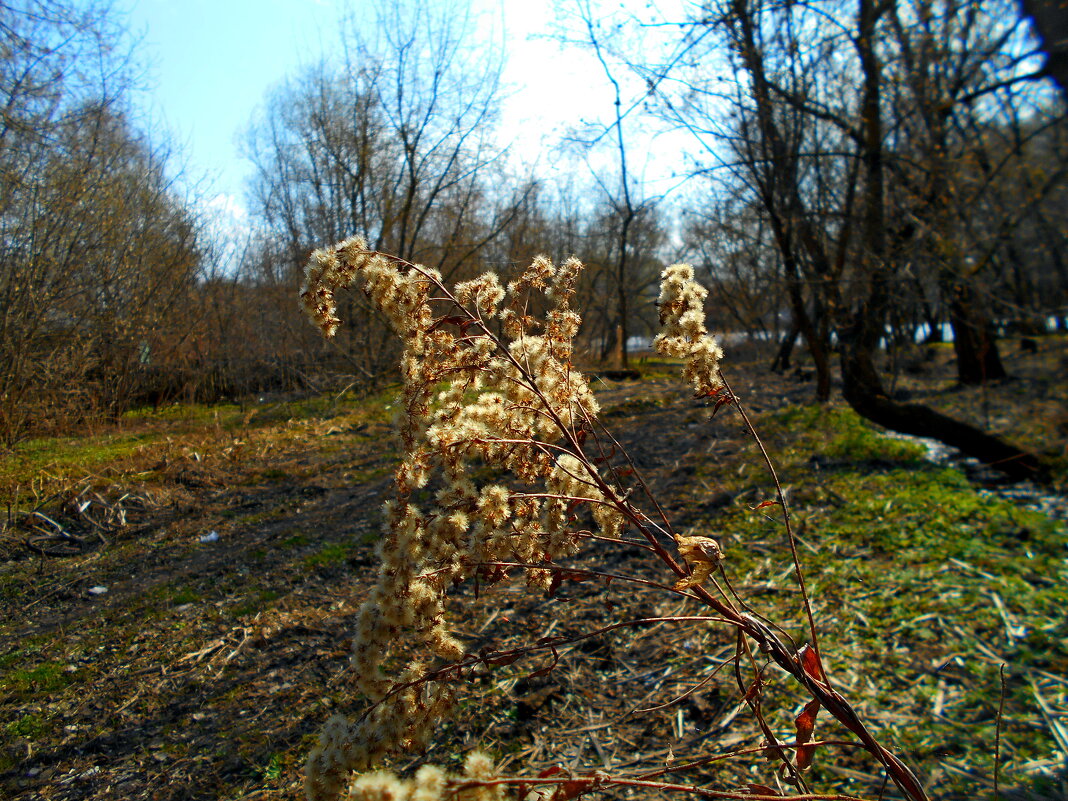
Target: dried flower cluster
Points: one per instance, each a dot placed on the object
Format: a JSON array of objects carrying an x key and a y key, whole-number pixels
[
  {"x": 430, "y": 783},
  {"x": 496, "y": 478},
  {"x": 505, "y": 406},
  {"x": 682, "y": 315}
]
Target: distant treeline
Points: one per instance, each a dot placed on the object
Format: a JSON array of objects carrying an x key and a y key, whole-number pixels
[{"x": 914, "y": 181}]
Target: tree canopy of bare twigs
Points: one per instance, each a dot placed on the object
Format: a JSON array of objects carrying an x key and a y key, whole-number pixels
[
  {"x": 95, "y": 245},
  {"x": 394, "y": 137},
  {"x": 878, "y": 139}
]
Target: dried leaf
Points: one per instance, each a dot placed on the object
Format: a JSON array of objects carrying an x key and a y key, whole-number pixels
[
  {"x": 499, "y": 659},
  {"x": 572, "y": 789},
  {"x": 810, "y": 661},
  {"x": 726, "y": 400},
  {"x": 548, "y": 669},
  {"x": 554, "y": 584},
  {"x": 448, "y": 320},
  {"x": 763, "y": 789},
  {"x": 606, "y": 457},
  {"x": 806, "y": 723},
  {"x": 701, "y": 571},
  {"x": 577, "y": 576},
  {"x": 702, "y": 554}
]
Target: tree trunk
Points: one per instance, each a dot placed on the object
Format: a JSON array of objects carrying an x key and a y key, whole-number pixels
[
  {"x": 861, "y": 384},
  {"x": 864, "y": 392},
  {"x": 618, "y": 355},
  {"x": 930, "y": 312},
  {"x": 815, "y": 332},
  {"x": 822, "y": 362},
  {"x": 786, "y": 348},
  {"x": 861, "y": 323},
  {"x": 978, "y": 360}
]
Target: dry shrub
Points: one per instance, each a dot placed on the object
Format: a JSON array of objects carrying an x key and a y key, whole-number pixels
[{"x": 507, "y": 472}]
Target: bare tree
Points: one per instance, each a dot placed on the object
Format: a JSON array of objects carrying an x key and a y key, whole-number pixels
[
  {"x": 732, "y": 245},
  {"x": 394, "y": 141},
  {"x": 622, "y": 193},
  {"x": 853, "y": 126},
  {"x": 96, "y": 246}
]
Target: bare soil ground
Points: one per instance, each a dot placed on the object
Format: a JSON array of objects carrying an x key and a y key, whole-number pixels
[{"x": 194, "y": 648}]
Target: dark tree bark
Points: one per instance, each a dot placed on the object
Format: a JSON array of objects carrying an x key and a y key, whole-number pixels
[
  {"x": 863, "y": 391},
  {"x": 978, "y": 360},
  {"x": 930, "y": 313},
  {"x": 861, "y": 383},
  {"x": 813, "y": 330},
  {"x": 786, "y": 348},
  {"x": 805, "y": 241},
  {"x": 777, "y": 182}
]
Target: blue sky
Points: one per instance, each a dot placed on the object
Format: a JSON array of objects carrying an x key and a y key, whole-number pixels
[{"x": 212, "y": 62}]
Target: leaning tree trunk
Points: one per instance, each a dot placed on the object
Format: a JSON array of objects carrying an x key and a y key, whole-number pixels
[
  {"x": 786, "y": 348},
  {"x": 814, "y": 331},
  {"x": 816, "y": 340},
  {"x": 860, "y": 327},
  {"x": 863, "y": 390}
]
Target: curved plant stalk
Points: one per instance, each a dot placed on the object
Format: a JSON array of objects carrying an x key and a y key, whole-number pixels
[{"x": 487, "y": 384}]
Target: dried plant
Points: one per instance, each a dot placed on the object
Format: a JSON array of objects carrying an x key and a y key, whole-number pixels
[{"x": 507, "y": 469}]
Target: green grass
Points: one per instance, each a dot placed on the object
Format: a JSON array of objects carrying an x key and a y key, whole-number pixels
[
  {"x": 335, "y": 554},
  {"x": 907, "y": 565},
  {"x": 915, "y": 576},
  {"x": 46, "y": 677},
  {"x": 186, "y": 595},
  {"x": 29, "y": 727},
  {"x": 368, "y": 408},
  {"x": 70, "y": 457},
  {"x": 273, "y": 769},
  {"x": 60, "y": 454},
  {"x": 294, "y": 541},
  {"x": 330, "y": 555},
  {"x": 836, "y": 434},
  {"x": 657, "y": 367},
  {"x": 187, "y": 412},
  {"x": 257, "y": 602}
]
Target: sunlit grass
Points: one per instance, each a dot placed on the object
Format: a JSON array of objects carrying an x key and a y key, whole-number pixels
[
  {"x": 135, "y": 443},
  {"x": 922, "y": 584}
]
